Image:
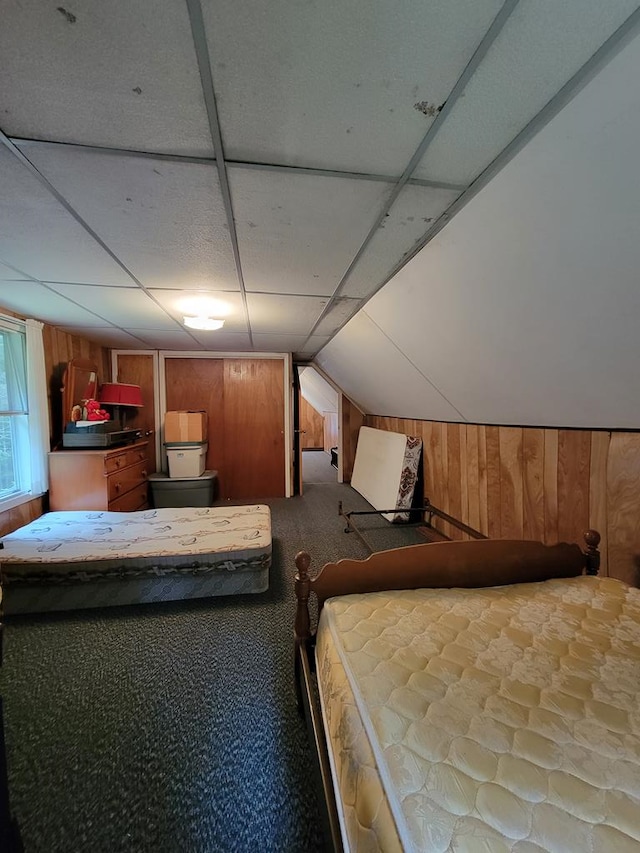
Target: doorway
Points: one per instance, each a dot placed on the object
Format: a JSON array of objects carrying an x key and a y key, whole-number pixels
[{"x": 318, "y": 428}]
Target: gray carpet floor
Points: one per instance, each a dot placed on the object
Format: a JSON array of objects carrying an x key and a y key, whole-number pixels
[
  {"x": 173, "y": 727},
  {"x": 317, "y": 468}
]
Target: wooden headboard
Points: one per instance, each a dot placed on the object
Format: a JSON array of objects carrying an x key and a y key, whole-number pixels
[{"x": 474, "y": 563}]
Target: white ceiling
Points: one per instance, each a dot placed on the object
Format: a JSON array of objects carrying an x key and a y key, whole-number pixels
[
  {"x": 317, "y": 391},
  {"x": 286, "y": 157},
  {"x": 524, "y": 309}
]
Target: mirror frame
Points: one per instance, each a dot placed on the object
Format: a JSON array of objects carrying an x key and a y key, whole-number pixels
[{"x": 76, "y": 386}]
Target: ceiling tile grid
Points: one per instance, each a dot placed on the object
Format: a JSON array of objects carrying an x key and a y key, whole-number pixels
[
  {"x": 179, "y": 303},
  {"x": 284, "y": 189},
  {"x": 128, "y": 308},
  {"x": 107, "y": 336},
  {"x": 188, "y": 340},
  {"x": 298, "y": 233},
  {"x": 9, "y": 274},
  {"x": 115, "y": 74},
  {"x": 40, "y": 238},
  {"x": 544, "y": 333},
  {"x": 165, "y": 220},
  {"x": 411, "y": 214},
  {"x": 32, "y": 299},
  {"x": 335, "y": 84},
  {"x": 541, "y": 46},
  {"x": 283, "y": 314}
]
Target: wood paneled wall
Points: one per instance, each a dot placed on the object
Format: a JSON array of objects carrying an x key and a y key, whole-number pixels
[
  {"x": 352, "y": 420},
  {"x": 312, "y": 422},
  {"x": 330, "y": 438},
  {"x": 524, "y": 482},
  {"x": 623, "y": 506},
  {"x": 59, "y": 349}
]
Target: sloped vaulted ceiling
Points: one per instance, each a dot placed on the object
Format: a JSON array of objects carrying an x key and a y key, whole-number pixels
[{"x": 525, "y": 308}]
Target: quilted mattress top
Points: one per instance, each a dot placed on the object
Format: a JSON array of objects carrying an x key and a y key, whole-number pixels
[
  {"x": 58, "y": 543},
  {"x": 503, "y": 719}
]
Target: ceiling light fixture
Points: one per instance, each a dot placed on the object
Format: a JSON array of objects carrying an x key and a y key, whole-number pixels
[{"x": 207, "y": 324}]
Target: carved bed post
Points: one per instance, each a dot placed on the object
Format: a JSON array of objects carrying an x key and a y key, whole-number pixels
[
  {"x": 302, "y": 625},
  {"x": 591, "y": 553}
]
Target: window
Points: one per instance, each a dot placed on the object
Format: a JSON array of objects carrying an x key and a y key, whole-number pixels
[{"x": 15, "y": 455}]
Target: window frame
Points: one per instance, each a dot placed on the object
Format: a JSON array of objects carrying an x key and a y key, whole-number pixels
[{"x": 20, "y": 446}]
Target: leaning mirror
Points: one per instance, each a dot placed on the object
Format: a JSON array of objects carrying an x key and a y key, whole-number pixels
[{"x": 80, "y": 383}]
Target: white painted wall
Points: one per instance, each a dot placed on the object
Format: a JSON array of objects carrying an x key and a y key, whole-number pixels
[
  {"x": 317, "y": 392},
  {"x": 525, "y": 309}
]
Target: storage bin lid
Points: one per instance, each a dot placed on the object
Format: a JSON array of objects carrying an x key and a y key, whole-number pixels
[
  {"x": 181, "y": 445},
  {"x": 161, "y": 476}
]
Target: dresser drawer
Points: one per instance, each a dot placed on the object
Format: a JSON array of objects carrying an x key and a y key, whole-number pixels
[
  {"x": 132, "y": 501},
  {"x": 121, "y": 482},
  {"x": 123, "y": 458}
]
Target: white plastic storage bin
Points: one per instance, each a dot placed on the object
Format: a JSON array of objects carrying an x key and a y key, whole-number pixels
[{"x": 186, "y": 460}]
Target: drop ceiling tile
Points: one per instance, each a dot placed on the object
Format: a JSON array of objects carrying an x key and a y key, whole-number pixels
[
  {"x": 313, "y": 345},
  {"x": 283, "y": 315},
  {"x": 385, "y": 382},
  {"x": 541, "y": 46},
  {"x": 165, "y": 220},
  {"x": 341, "y": 310},
  {"x": 278, "y": 343},
  {"x": 299, "y": 233},
  {"x": 172, "y": 300},
  {"x": 336, "y": 85},
  {"x": 40, "y": 238},
  {"x": 9, "y": 274},
  {"x": 177, "y": 339},
  {"x": 222, "y": 341},
  {"x": 412, "y": 214},
  {"x": 129, "y": 309},
  {"x": 107, "y": 336},
  {"x": 113, "y": 74},
  {"x": 32, "y": 299}
]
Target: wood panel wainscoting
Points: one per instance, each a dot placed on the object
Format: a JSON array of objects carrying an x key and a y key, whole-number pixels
[{"x": 535, "y": 483}]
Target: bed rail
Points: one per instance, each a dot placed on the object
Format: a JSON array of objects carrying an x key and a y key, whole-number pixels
[{"x": 428, "y": 512}]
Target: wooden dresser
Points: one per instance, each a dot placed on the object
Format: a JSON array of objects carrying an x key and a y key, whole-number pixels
[{"x": 103, "y": 479}]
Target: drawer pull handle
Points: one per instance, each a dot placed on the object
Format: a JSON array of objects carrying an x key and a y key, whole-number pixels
[
  {"x": 144, "y": 474},
  {"x": 117, "y": 487}
]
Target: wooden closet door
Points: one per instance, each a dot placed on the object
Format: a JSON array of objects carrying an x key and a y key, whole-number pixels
[
  {"x": 194, "y": 384},
  {"x": 254, "y": 428}
]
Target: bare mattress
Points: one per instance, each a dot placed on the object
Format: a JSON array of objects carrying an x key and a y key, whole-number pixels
[
  {"x": 72, "y": 559},
  {"x": 502, "y": 719}
]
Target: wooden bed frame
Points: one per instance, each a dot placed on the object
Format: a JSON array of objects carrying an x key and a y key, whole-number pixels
[{"x": 433, "y": 565}]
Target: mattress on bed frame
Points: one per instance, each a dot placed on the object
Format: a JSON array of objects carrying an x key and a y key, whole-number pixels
[
  {"x": 65, "y": 560},
  {"x": 504, "y": 718}
]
